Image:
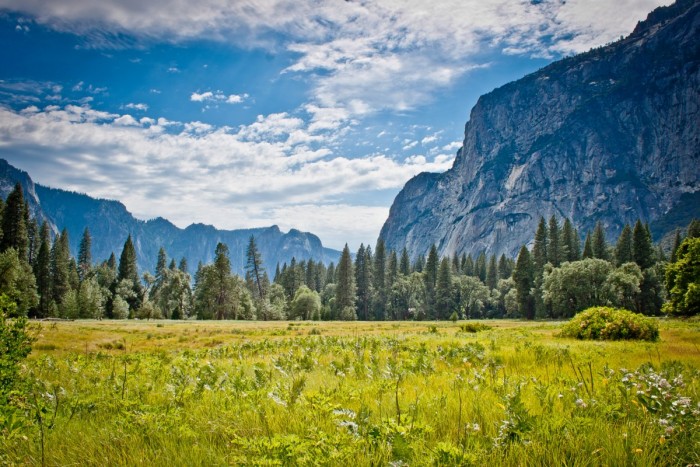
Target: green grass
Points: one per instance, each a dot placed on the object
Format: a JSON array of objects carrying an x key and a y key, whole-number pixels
[{"x": 399, "y": 393}]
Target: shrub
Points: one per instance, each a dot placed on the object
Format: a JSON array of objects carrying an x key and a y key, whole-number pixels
[
  {"x": 604, "y": 323},
  {"x": 473, "y": 327}
]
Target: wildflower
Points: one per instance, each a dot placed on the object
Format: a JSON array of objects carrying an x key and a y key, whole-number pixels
[{"x": 581, "y": 404}]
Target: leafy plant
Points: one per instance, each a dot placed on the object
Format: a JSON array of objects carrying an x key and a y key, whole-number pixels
[{"x": 604, "y": 323}]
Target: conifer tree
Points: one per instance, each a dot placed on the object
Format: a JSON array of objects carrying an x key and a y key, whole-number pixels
[
  {"x": 524, "y": 278},
  {"x": 419, "y": 264},
  {"x": 14, "y": 224},
  {"x": 255, "y": 269},
  {"x": 693, "y": 229},
  {"x": 60, "y": 264},
  {"x": 363, "y": 282},
  {"x": 183, "y": 265},
  {"x": 587, "y": 247},
  {"x": 570, "y": 242},
  {"x": 539, "y": 250},
  {"x": 392, "y": 271},
  {"x": 85, "y": 255},
  {"x": 345, "y": 292},
  {"x": 642, "y": 246},
  {"x": 42, "y": 272},
  {"x": 379, "y": 280},
  {"x": 554, "y": 255},
  {"x": 468, "y": 266},
  {"x": 444, "y": 302},
  {"x": 405, "y": 264},
  {"x": 492, "y": 273},
  {"x": 504, "y": 267},
  {"x": 480, "y": 267},
  {"x": 599, "y": 243},
  {"x": 676, "y": 244},
  {"x": 128, "y": 271},
  {"x": 623, "y": 247},
  {"x": 34, "y": 242}
]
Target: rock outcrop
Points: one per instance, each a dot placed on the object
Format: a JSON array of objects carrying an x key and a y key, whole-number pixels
[{"x": 611, "y": 135}]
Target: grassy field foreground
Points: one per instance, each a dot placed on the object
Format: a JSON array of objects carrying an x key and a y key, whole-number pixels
[{"x": 307, "y": 393}]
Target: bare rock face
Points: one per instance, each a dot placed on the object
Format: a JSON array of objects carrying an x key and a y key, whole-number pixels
[{"x": 611, "y": 135}]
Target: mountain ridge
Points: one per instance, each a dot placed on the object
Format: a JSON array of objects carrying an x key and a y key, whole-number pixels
[{"x": 110, "y": 222}]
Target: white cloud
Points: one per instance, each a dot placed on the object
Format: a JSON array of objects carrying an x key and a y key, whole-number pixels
[
  {"x": 137, "y": 106},
  {"x": 229, "y": 177},
  {"x": 218, "y": 96},
  {"x": 452, "y": 146}
]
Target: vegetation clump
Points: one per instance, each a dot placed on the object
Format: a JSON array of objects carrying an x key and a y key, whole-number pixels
[
  {"x": 474, "y": 327},
  {"x": 605, "y": 323}
]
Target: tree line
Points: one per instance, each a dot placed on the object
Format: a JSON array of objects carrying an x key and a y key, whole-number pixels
[{"x": 556, "y": 278}]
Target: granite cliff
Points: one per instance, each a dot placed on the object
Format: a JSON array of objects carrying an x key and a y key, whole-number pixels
[{"x": 610, "y": 135}]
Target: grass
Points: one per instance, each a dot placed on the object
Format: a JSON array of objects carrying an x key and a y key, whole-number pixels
[{"x": 389, "y": 393}]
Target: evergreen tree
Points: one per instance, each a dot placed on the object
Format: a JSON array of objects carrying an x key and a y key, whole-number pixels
[
  {"x": 60, "y": 263},
  {"x": 255, "y": 269},
  {"x": 112, "y": 262},
  {"x": 455, "y": 264},
  {"x": 676, "y": 244},
  {"x": 128, "y": 272},
  {"x": 524, "y": 278},
  {"x": 468, "y": 266},
  {"x": 480, "y": 267},
  {"x": 587, "y": 247},
  {"x": 693, "y": 229},
  {"x": 570, "y": 242},
  {"x": 183, "y": 265},
  {"x": 345, "y": 293},
  {"x": 430, "y": 278},
  {"x": 42, "y": 272},
  {"x": 642, "y": 246},
  {"x": 310, "y": 276},
  {"x": 85, "y": 255},
  {"x": 34, "y": 241},
  {"x": 14, "y": 224},
  {"x": 379, "y": 280},
  {"x": 331, "y": 277},
  {"x": 405, "y": 264},
  {"x": 599, "y": 243},
  {"x": 554, "y": 254},
  {"x": 505, "y": 268},
  {"x": 419, "y": 264},
  {"x": 161, "y": 263},
  {"x": 444, "y": 301},
  {"x": 539, "y": 251},
  {"x": 623, "y": 248},
  {"x": 363, "y": 282},
  {"x": 392, "y": 271},
  {"x": 492, "y": 273}
]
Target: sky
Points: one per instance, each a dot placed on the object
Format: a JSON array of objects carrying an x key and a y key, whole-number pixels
[{"x": 307, "y": 114}]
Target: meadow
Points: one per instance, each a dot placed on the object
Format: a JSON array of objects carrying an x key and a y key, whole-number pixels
[{"x": 366, "y": 393}]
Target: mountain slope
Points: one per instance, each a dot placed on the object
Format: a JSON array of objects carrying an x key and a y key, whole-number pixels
[
  {"x": 610, "y": 135},
  {"x": 110, "y": 223}
]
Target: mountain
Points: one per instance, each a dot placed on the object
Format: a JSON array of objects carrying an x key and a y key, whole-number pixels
[
  {"x": 110, "y": 223},
  {"x": 611, "y": 135}
]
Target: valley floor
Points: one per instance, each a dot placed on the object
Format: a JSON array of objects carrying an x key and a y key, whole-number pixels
[{"x": 370, "y": 393}]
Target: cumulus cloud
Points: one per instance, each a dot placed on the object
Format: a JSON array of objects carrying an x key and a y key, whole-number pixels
[
  {"x": 256, "y": 174},
  {"x": 137, "y": 106},
  {"x": 218, "y": 96}
]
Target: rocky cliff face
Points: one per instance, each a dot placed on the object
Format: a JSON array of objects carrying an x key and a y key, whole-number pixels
[
  {"x": 110, "y": 223},
  {"x": 611, "y": 135}
]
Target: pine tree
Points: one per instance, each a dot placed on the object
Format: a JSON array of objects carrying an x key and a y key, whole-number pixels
[
  {"x": 60, "y": 264},
  {"x": 392, "y": 271},
  {"x": 524, "y": 278},
  {"x": 480, "y": 267},
  {"x": 183, "y": 265},
  {"x": 128, "y": 271},
  {"x": 676, "y": 244},
  {"x": 14, "y": 224},
  {"x": 599, "y": 243},
  {"x": 345, "y": 293},
  {"x": 693, "y": 229},
  {"x": 405, "y": 264},
  {"x": 587, "y": 247},
  {"x": 85, "y": 255},
  {"x": 504, "y": 268},
  {"x": 419, "y": 264},
  {"x": 255, "y": 269},
  {"x": 468, "y": 266},
  {"x": 42, "y": 272},
  {"x": 554, "y": 255},
  {"x": 492, "y": 273},
  {"x": 34, "y": 241},
  {"x": 363, "y": 282},
  {"x": 444, "y": 302},
  {"x": 161, "y": 263},
  {"x": 539, "y": 250},
  {"x": 642, "y": 246},
  {"x": 570, "y": 242},
  {"x": 112, "y": 262},
  {"x": 379, "y": 280},
  {"x": 623, "y": 247}
]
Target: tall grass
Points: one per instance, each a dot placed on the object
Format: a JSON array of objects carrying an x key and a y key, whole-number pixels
[{"x": 361, "y": 393}]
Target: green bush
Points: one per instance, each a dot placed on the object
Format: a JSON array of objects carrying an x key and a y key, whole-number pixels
[
  {"x": 604, "y": 323},
  {"x": 474, "y": 327}
]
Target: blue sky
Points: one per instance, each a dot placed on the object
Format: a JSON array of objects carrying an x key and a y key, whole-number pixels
[{"x": 307, "y": 114}]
